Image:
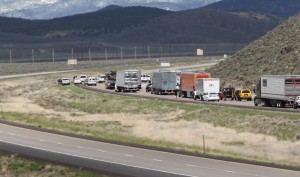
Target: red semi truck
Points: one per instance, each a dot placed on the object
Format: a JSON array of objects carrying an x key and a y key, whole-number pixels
[{"x": 188, "y": 82}]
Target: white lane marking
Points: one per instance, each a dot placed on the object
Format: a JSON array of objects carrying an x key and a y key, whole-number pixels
[
  {"x": 101, "y": 150},
  {"x": 41, "y": 140},
  {"x": 157, "y": 160},
  {"x": 191, "y": 165},
  {"x": 228, "y": 171},
  {"x": 127, "y": 155},
  {"x": 106, "y": 161},
  {"x": 79, "y": 147},
  {"x": 59, "y": 143},
  {"x": 11, "y": 134},
  {"x": 26, "y": 137}
]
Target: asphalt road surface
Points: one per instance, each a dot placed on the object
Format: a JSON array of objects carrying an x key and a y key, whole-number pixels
[{"x": 123, "y": 160}]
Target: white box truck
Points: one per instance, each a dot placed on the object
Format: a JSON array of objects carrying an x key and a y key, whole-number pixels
[
  {"x": 207, "y": 89},
  {"x": 277, "y": 90},
  {"x": 128, "y": 80}
]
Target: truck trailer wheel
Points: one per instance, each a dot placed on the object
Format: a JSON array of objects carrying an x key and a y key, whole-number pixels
[{"x": 295, "y": 106}]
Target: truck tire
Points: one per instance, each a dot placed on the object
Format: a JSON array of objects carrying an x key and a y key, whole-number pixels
[{"x": 295, "y": 106}]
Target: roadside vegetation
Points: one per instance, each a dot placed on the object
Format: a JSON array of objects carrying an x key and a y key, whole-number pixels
[
  {"x": 15, "y": 166},
  {"x": 232, "y": 132}
]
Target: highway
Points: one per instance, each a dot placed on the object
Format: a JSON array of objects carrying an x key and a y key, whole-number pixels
[{"x": 123, "y": 160}]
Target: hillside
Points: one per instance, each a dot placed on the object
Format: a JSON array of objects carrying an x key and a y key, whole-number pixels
[
  {"x": 100, "y": 23},
  {"x": 282, "y": 8},
  {"x": 276, "y": 53},
  {"x": 202, "y": 26},
  {"x": 149, "y": 25}
]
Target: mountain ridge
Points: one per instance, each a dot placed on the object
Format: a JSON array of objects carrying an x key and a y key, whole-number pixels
[
  {"x": 41, "y": 9},
  {"x": 150, "y": 25}
]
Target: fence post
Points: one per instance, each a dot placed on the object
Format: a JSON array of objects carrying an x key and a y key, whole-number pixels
[
  {"x": 72, "y": 53},
  {"x": 204, "y": 144},
  {"x": 53, "y": 55},
  {"x": 121, "y": 53},
  {"x": 10, "y": 56},
  {"x": 106, "y": 54},
  {"x": 90, "y": 55},
  {"x": 32, "y": 51}
]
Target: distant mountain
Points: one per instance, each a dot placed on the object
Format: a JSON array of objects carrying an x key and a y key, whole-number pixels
[
  {"x": 149, "y": 25},
  {"x": 48, "y": 9},
  {"x": 282, "y": 8},
  {"x": 201, "y": 26}
]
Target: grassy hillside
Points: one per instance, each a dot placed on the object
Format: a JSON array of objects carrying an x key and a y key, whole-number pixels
[
  {"x": 278, "y": 52},
  {"x": 283, "y": 8}
]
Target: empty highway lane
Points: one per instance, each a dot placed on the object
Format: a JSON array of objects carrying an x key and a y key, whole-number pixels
[{"x": 123, "y": 160}]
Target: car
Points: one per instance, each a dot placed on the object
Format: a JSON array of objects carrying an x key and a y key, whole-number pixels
[
  {"x": 296, "y": 102},
  {"x": 90, "y": 81},
  {"x": 101, "y": 79},
  {"x": 145, "y": 78},
  {"x": 77, "y": 81},
  {"x": 210, "y": 97},
  {"x": 83, "y": 77},
  {"x": 242, "y": 94},
  {"x": 65, "y": 81}
]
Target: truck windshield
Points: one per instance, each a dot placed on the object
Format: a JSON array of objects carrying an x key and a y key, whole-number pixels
[{"x": 131, "y": 75}]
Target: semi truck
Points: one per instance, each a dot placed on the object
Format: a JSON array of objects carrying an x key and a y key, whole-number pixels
[
  {"x": 163, "y": 82},
  {"x": 207, "y": 86},
  {"x": 188, "y": 81},
  {"x": 110, "y": 79},
  {"x": 128, "y": 80},
  {"x": 277, "y": 90}
]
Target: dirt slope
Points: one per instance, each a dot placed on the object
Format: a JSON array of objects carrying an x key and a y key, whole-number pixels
[{"x": 275, "y": 53}]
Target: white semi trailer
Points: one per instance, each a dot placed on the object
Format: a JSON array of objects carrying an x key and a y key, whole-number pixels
[{"x": 277, "y": 90}]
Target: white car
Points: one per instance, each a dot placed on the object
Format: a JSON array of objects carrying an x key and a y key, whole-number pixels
[
  {"x": 65, "y": 81},
  {"x": 145, "y": 78},
  {"x": 90, "y": 81},
  {"x": 77, "y": 81},
  {"x": 101, "y": 78},
  {"x": 82, "y": 77},
  {"x": 210, "y": 97},
  {"x": 296, "y": 102}
]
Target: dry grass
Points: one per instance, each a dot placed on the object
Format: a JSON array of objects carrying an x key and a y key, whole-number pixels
[{"x": 228, "y": 131}]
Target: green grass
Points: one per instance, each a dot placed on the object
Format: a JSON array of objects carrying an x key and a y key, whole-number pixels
[
  {"x": 283, "y": 126},
  {"x": 12, "y": 165}
]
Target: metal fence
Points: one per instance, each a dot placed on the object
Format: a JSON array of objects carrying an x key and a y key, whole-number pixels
[{"x": 97, "y": 51}]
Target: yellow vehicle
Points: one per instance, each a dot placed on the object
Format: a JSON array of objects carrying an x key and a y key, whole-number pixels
[{"x": 242, "y": 94}]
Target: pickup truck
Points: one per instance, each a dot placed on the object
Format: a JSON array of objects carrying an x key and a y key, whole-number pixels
[{"x": 145, "y": 78}]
